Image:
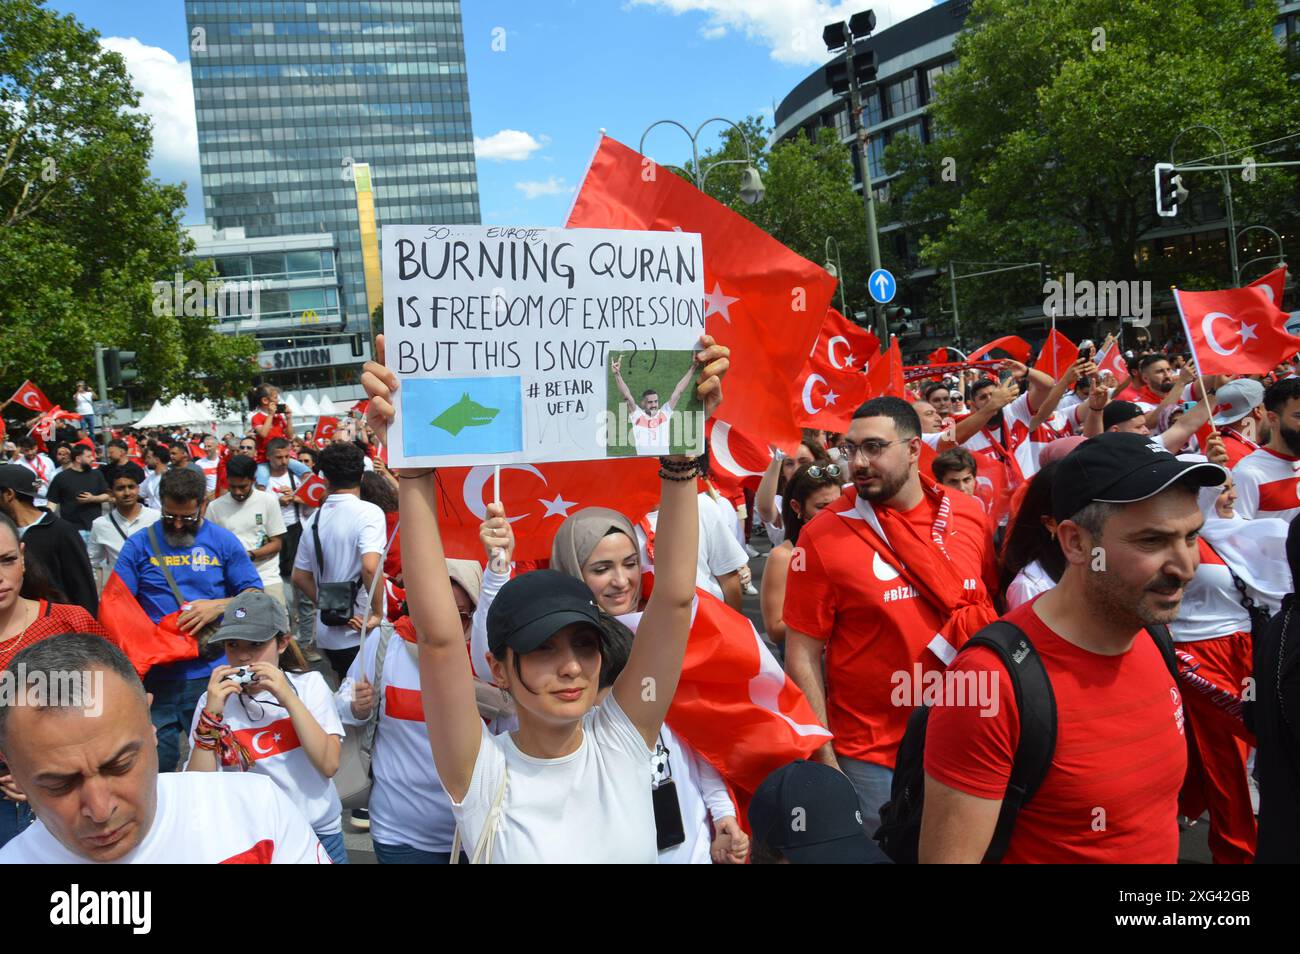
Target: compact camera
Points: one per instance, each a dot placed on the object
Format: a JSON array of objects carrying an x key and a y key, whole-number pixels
[{"x": 243, "y": 676}]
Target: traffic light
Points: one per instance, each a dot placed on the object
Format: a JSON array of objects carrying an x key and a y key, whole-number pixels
[
  {"x": 897, "y": 319},
  {"x": 1169, "y": 190},
  {"x": 117, "y": 367}
]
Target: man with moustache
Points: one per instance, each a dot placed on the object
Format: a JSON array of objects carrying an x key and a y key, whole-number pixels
[
  {"x": 209, "y": 567},
  {"x": 897, "y": 576},
  {"x": 1127, "y": 522},
  {"x": 1268, "y": 479},
  {"x": 87, "y": 765}
]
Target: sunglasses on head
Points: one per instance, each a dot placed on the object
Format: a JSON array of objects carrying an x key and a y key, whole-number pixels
[{"x": 817, "y": 471}]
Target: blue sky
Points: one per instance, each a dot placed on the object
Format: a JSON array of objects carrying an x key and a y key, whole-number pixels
[{"x": 569, "y": 68}]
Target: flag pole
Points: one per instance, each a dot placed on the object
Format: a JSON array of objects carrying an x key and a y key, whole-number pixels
[
  {"x": 1051, "y": 340},
  {"x": 497, "y": 559},
  {"x": 1196, "y": 362}
]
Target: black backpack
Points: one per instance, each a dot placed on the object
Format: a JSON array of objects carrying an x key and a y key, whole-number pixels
[{"x": 899, "y": 833}]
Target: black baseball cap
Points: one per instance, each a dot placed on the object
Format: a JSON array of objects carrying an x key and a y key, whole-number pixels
[
  {"x": 1122, "y": 468},
  {"x": 17, "y": 478},
  {"x": 1119, "y": 412},
  {"x": 532, "y": 608},
  {"x": 810, "y": 814}
]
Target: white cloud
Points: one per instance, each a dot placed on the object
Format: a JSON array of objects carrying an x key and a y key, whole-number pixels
[
  {"x": 552, "y": 186},
  {"x": 792, "y": 29},
  {"x": 508, "y": 145},
  {"x": 167, "y": 96}
]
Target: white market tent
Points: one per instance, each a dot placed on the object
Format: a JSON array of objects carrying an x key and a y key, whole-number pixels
[
  {"x": 327, "y": 408},
  {"x": 310, "y": 408}
]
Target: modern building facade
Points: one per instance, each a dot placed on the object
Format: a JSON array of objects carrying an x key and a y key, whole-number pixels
[
  {"x": 294, "y": 307},
  {"x": 910, "y": 56},
  {"x": 290, "y": 95}
]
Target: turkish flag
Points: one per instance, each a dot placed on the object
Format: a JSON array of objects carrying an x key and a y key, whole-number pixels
[
  {"x": 832, "y": 385},
  {"x": 311, "y": 491},
  {"x": 734, "y": 703},
  {"x": 761, "y": 300},
  {"x": 885, "y": 375},
  {"x": 31, "y": 397},
  {"x": 1015, "y": 346},
  {"x": 1058, "y": 354},
  {"x": 1235, "y": 331},
  {"x": 145, "y": 642},
  {"x": 993, "y": 486},
  {"x": 537, "y": 498},
  {"x": 937, "y": 356},
  {"x": 361, "y": 407},
  {"x": 1273, "y": 285},
  {"x": 1111, "y": 360},
  {"x": 325, "y": 428},
  {"x": 275, "y": 739},
  {"x": 736, "y": 461}
]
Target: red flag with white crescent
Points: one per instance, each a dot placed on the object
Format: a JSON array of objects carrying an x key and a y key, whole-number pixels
[
  {"x": 311, "y": 491},
  {"x": 761, "y": 300},
  {"x": 1111, "y": 360},
  {"x": 736, "y": 460},
  {"x": 31, "y": 397},
  {"x": 537, "y": 499},
  {"x": 325, "y": 428},
  {"x": 1058, "y": 355},
  {"x": 1273, "y": 285},
  {"x": 1235, "y": 331},
  {"x": 832, "y": 384},
  {"x": 275, "y": 739},
  {"x": 885, "y": 376}
]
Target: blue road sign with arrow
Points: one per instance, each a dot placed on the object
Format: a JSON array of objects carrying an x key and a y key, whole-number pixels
[{"x": 882, "y": 286}]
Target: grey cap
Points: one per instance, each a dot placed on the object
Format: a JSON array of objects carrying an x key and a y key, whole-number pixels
[
  {"x": 254, "y": 617},
  {"x": 1236, "y": 399}
]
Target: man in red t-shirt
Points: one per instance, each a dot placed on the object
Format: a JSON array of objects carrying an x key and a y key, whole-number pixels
[
  {"x": 895, "y": 575},
  {"x": 1128, "y": 521}
]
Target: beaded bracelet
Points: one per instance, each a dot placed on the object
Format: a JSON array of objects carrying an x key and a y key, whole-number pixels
[{"x": 664, "y": 475}]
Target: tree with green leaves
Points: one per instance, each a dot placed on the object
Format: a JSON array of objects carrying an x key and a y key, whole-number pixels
[
  {"x": 84, "y": 230},
  {"x": 1047, "y": 132},
  {"x": 809, "y": 196}
]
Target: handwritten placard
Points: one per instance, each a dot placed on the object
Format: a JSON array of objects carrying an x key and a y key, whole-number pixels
[{"x": 525, "y": 345}]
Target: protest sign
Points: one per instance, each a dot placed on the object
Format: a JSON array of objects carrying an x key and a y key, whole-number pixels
[{"x": 526, "y": 345}]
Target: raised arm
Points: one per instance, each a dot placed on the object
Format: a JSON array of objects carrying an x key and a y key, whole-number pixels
[
  {"x": 646, "y": 686},
  {"x": 616, "y": 366},
  {"x": 973, "y": 423},
  {"x": 681, "y": 385},
  {"x": 765, "y": 496},
  {"x": 446, "y": 681}
]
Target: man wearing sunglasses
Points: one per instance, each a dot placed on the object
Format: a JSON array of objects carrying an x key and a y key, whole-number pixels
[
  {"x": 884, "y": 588},
  {"x": 209, "y": 566}
]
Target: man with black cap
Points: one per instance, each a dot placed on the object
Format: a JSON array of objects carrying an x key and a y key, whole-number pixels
[
  {"x": 1126, "y": 417},
  {"x": 806, "y": 813},
  {"x": 49, "y": 539},
  {"x": 1128, "y": 520}
]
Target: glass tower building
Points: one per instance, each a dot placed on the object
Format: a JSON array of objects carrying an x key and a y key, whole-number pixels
[{"x": 290, "y": 94}]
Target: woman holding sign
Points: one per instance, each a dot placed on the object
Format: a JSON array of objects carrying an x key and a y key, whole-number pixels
[{"x": 570, "y": 784}]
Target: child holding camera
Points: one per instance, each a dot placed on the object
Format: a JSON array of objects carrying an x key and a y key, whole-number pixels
[{"x": 266, "y": 712}]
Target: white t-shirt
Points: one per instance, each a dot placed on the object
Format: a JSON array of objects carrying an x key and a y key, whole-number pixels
[
  {"x": 84, "y": 402},
  {"x": 202, "y": 818},
  {"x": 277, "y": 752},
  {"x": 701, "y": 793},
  {"x": 149, "y": 491},
  {"x": 590, "y": 807},
  {"x": 44, "y": 469},
  {"x": 408, "y": 805},
  {"x": 651, "y": 434},
  {"x": 255, "y": 522},
  {"x": 286, "y": 483},
  {"x": 1029, "y": 582},
  {"x": 209, "y": 468},
  {"x": 349, "y": 528},
  {"x": 1268, "y": 485},
  {"x": 720, "y": 551},
  {"x": 106, "y": 539}
]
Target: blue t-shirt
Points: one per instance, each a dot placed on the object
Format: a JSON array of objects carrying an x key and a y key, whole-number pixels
[{"x": 214, "y": 568}]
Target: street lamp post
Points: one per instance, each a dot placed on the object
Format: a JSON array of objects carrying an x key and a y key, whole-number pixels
[
  {"x": 837, "y": 271},
  {"x": 1227, "y": 194},
  {"x": 751, "y": 184},
  {"x": 1281, "y": 252}
]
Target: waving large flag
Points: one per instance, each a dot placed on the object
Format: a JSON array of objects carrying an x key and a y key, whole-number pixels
[
  {"x": 1013, "y": 345},
  {"x": 832, "y": 383},
  {"x": 538, "y": 497},
  {"x": 31, "y": 397},
  {"x": 761, "y": 300},
  {"x": 146, "y": 643},
  {"x": 1235, "y": 331},
  {"x": 1273, "y": 284}
]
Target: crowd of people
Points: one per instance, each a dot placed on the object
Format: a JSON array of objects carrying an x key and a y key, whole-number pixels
[{"x": 1038, "y": 619}]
